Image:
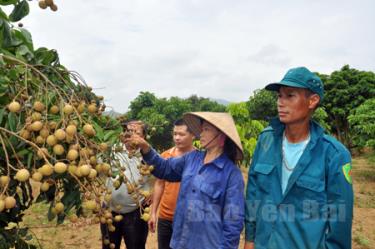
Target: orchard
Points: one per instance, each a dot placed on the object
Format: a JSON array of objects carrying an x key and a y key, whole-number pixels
[
  {"x": 57, "y": 141},
  {"x": 52, "y": 135}
]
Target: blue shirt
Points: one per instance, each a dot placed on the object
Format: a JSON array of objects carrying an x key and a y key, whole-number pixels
[
  {"x": 210, "y": 206},
  {"x": 292, "y": 153},
  {"x": 316, "y": 210}
]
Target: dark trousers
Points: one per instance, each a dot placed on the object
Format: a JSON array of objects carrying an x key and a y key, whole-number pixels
[
  {"x": 164, "y": 233},
  {"x": 131, "y": 228}
]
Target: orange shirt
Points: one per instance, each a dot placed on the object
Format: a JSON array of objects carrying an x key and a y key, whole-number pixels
[{"x": 169, "y": 198}]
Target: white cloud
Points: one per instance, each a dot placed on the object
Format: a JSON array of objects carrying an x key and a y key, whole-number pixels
[{"x": 212, "y": 48}]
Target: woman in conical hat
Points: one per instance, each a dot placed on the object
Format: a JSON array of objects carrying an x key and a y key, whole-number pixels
[{"x": 210, "y": 205}]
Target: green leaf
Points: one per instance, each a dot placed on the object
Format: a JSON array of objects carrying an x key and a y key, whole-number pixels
[
  {"x": 108, "y": 135},
  {"x": 29, "y": 159},
  {"x": 7, "y": 2},
  {"x": 24, "y": 52},
  {"x": 20, "y": 11},
  {"x": 13, "y": 75},
  {"x": 12, "y": 121},
  {"x": 23, "y": 152},
  {"x": 72, "y": 199},
  {"x": 60, "y": 219},
  {"x": 51, "y": 215},
  {"x": 2, "y": 111},
  {"x": 3, "y": 15},
  {"x": 99, "y": 131},
  {"x": 45, "y": 56},
  {"x": 6, "y": 35},
  {"x": 2, "y": 62},
  {"x": 26, "y": 37}
]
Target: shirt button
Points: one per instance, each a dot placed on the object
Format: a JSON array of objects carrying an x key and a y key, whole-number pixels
[{"x": 193, "y": 190}]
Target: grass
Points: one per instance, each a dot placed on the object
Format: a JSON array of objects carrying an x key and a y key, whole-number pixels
[
  {"x": 364, "y": 180},
  {"x": 371, "y": 158},
  {"x": 361, "y": 240},
  {"x": 364, "y": 201},
  {"x": 39, "y": 215},
  {"x": 85, "y": 235},
  {"x": 366, "y": 175}
]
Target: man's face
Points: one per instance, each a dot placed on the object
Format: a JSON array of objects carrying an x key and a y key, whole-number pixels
[
  {"x": 182, "y": 138},
  {"x": 294, "y": 104},
  {"x": 135, "y": 129}
]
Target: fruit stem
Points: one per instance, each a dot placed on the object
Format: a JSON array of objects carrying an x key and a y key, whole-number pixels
[{"x": 26, "y": 141}]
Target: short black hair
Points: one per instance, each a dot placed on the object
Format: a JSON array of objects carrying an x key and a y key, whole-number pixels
[{"x": 180, "y": 122}]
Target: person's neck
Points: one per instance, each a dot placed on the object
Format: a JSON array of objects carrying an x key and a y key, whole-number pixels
[
  {"x": 212, "y": 154},
  {"x": 299, "y": 132},
  {"x": 181, "y": 151}
]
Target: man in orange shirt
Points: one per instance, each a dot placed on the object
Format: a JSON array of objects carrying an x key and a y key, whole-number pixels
[{"x": 166, "y": 193}]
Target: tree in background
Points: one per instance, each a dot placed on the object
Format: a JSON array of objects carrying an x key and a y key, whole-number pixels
[
  {"x": 321, "y": 116},
  {"x": 262, "y": 105},
  {"x": 160, "y": 113},
  {"x": 362, "y": 122},
  {"x": 345, "y": 90},
  {"x": 247, "y": 128}
]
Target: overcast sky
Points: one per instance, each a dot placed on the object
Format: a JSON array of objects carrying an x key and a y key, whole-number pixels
[{"x": 221, "y": 49}]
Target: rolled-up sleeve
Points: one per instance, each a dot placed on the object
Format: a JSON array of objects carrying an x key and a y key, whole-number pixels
[{"x": 170, "y": 169}]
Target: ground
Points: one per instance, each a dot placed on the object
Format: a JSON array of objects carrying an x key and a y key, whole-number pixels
[{"x": 86, "y": 234}]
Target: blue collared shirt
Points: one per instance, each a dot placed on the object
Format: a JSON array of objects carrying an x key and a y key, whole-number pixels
[{"x": 210, "y": 206}]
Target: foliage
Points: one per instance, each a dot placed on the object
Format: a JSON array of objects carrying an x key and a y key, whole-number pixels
[
  {"x": 362, "y": 122},
  {"x": 345, "y": 90},
  {"x": 321, "y": 116},
  {"x": 160, "y": 114},
  {"x": 248, "y": 129},
  {"x": 262, "y": 105},
  {"x": 32, "y": 81}
]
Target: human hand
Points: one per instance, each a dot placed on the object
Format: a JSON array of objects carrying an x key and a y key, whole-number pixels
[
  {"x": 134, "y": 141},
  {"x": 152, "y": 222}
]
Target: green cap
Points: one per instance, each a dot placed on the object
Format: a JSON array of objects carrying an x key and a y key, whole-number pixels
[{"x": 300, "y": 77}]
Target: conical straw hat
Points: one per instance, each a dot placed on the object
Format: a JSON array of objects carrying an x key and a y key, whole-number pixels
[{"x": 221, "y": 120}]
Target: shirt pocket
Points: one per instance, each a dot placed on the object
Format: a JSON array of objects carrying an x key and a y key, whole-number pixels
[
  {"x": 263, "y": 173},
  {"x": 211, "y": 190},
  {"x": 311, "y": 188},
  {"x": 310, "y": 183}
]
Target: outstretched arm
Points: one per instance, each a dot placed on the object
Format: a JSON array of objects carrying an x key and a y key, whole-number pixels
[{"x": 169, "y": 169}]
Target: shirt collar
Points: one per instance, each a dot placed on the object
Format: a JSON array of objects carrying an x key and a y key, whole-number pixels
[
  {"x": 316, "y": 130},
  {"x": 220, "y": 161}
]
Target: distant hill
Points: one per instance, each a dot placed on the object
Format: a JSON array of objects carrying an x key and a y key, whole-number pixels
[
  {"x": 221, "y": 101},
  {"x": 112, "y": 114}
]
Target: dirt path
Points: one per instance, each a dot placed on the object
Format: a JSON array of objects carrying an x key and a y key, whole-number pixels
[{"x": 85, "y": 235}]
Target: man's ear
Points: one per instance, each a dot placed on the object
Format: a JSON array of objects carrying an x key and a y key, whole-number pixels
[{"x": 314, "y": 101}]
